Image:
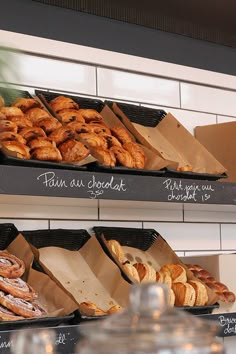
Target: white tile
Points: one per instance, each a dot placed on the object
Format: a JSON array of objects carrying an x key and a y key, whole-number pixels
[
  {"x": 205, "y": 253},
  {"x": 50, "y": 73},
  {"x": 207, "y": 99},
  {"x": 88, "y": 225},
  {"x": 209, "y": 213},
  {"x": 23, "y": 225},
  {"x": 189, "y": 119},
  {"x": 135, "y": 87},
  {"x": 188, "y": 236},
  {"x": 222, "y": 119},
  {"x": 228, "y": 236},
  {"x": 148, "y": 211},
  {"x": 230, "y": 345},
  {"x": 180, "y": 254}
]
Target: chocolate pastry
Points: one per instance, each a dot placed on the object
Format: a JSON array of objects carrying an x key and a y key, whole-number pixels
[
  {"x": 121, "y": 134},
  {"x": 21, "y": 151},
  {"x": 90, "y": 114},
  {"x": 104, "y": 157},
  {"x": 137, "y": 154},
  {"x": 11, "y": 266},
  {"x": 40, "y": 142},
  {"x": 111, "y": 140},
  {"x": 61, "y": 102},
  {"x": 48, "y": 124},
  {"x": 122, "y": 156},
  {"x": 12, "y": 112},
  {"x": 36, "y": 114},
  {"x": 93, "y": 140},
  {"x": 2, "y": 116},
  {"x": 8, "y": 126},
  {"x": 32, "y": 133},
  {"x": 70, "y": 115},
  {"x": 21, "y": 122},
  {"x": 46, "y": 153},
  {"x": 73, "y": 150},
  {"x": 18, "y": 288},
  {"x": 62, "y": 134},
  {"x": 99, "y": 129},
  {"x": 25, "y": 103},
  {"x": 19, "y": 306},
  {"x": 9, "y": 136},
  {"x": 78, "y": 127}
]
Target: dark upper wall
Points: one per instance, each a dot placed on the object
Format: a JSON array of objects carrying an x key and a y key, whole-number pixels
[{"x": 29, "y": 17}]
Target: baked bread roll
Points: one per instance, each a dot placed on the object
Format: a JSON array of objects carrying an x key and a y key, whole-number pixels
[
  {"x": 12, "y": 137},
  {"x": 61, "y": 102},
  {"x": 132, "y": 272},
  {"x": 104, "y": 157},
  {"x": 7, "y": 315},
  {"x": 48, "y": 124},
  {"x": 93, "y": 140},
  {"x": 62, "y": 134},
  {"x": 137, "y": 154},
  {"x": 19, "y": 306},
  {"x": 12, "y": 112},
  {"x": 36, "y": 114},
  {"x": 21, "y": 122},
  {"x": 46, "y": 153},
  {"x": 121, "y": 134},
  {"x": 184, "y": 294},
  {"x": 176, "y": 271},
  {"x": 114, "y": 309},
  {"x": 146, "y": 272},
  {"x": 25, "y": 103},
  {"x": 111, "y": 140},
  {"x": 88, "y": 308},
  {"x": 90, "y": 115},
  {"x": 40, "y": 142},
  {"x": 201, "y": 293},
  {"x": 8, "y": 126},
  {"x": 18, "y": 288},
  {"x": 122, "y": 156},
  {"x": 32, "y": 133},
  {"x": 73, "y": 150},
  {"x": 226, "y": 296},
  {"x": 11, "y": 266},
  {"x": 116, "y": 250},
  {"x": 21, "y": 151},
  {"x": 70, "y": 115}
]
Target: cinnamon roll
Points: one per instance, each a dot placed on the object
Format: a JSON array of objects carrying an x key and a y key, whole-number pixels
[
  {"x": 11, "y": 266},
  {"x": 7, "y": 315},
  {"x": 25, "y": 103},
  {"x": 61, "y": 102},
  {"x": 18, "y": 288},
  {"x": 21, "y": 150},
  {"x": 19, "y": 306}
]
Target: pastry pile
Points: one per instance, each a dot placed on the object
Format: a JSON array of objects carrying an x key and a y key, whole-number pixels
[
  {"x": 110, "y": 146},
  {"x": 90, "y": 309},
  {"x": 220, "y": 289},
  {"x": 17, "y": 298}
]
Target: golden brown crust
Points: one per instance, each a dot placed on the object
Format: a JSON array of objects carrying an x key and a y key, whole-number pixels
[
  {"x": 111, "y": 140},
  {"x": 21, "y": 151},
  {"x": 70, "y": 115},
  {"x": 73, "y": 150},
  {"x": 184, "y": 294},
  {"x": 104, "y": 157},
  {"x": 146, "y": 272},
  {"x": 25, "y": 103},
  {"x": 2, "y": 116},
  {"x": 90, "y": 115},
  {"x": 18, "y": 288},
  {"x": 122, "y": 156},
  {"x": 21, "y": 122},
  {"x": 62, "y": 134},
  {"x": 114, "y": 309},
  {"x": 7, "y": 315},
  {"x": 186, "y": 168},
  {"x": 32, "y": 133},
  {"x": 79, "y": 127},
  {"x": 12, "y": 112},
  {"x": 164, "y": 278},
  {"x": 36, "y": 114},
  {"x": 99, "y": 129},
  {"x": 47, "y": 153},
  {"x": 12, "y": 137},
  {"x": 137, "y": 154},
  {"x": 121, "y": 134},
  {"x": 40, "y": 142},
  {"x": 61, "y": 102},
  {"x": 48, "y": 124},
  {"x": 11, "y": 266},
  {"x": 19, "y": 306},
  {"x": 201, "y": 293},
  {"x": 8, "y": 126},
  {"x": 176, "y": 271},
  {"x": 116, "y": 250},
  {"x": 93, "y": 140},
  {"x": 88, "y": 308},
  {"x": 132, "y": 272}
]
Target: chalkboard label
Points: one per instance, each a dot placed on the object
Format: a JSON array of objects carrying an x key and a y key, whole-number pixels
[{"x": 226, "y": 323}]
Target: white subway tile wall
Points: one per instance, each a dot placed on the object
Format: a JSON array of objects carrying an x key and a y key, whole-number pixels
[{"x": 223, "y": 119}]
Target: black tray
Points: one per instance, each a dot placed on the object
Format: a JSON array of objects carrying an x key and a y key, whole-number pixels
[
  {"x": 10, "y": 94},
  {"x": 8, "y": 233},
  {"x": 193, "y": 175},
  {"x": 143, "y": 240}
]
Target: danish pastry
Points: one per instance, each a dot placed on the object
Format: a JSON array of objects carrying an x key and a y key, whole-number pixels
[
  {"x": 32, "y": 133},
  {"x": 201, "y": 293},
  {"x": 12, "y": 137},
  {"x": 90, "y": 309},
  {"x": 8, "y": 126},
  {"x": 21, "y": 150},
  {"x": 18, "y": 288},
  {"x": 25, "y": 103},
  {"x": 36, "y": 114},
  {"x": 90, "y": 114},
  {"x": 73, "y": 150},
  {"x": 12, "y": 112},
  {"x": 40, "y": 142},
  {"x": 47, "y": 153},
  {"x": 93, "y": 140},
  {"x": 114, "y": 309},
  {"x": 62, "y": 134},
  {"x": 21, "y": 122},
  {"x": 48, "y": 124},
  {"x": 19, "y": 306},
  {"x": 132, "y": 272},
  {"x": 111, "y": 140},
  {"x": 116, "y": 250},
  {"x": 11, "y": 266},
  {"x": 70, "y": 115},
  {"x": 176, "y": 271},
  {"x": 146, "y": 272},
  {"x": 184, "y": 294},
  {"x": 122, "y": 156},
  {"x": 137, "y": 154},
  {"x": 61, "y": 102},
  {"x": 7, "y": 315},
  {"x": 121, "y": 134},
  {"x": 104, "y": 157}
]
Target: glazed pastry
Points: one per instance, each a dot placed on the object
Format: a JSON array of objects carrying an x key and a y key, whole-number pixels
[
  {"x": 2, "y": 102},
  {"x": 114, "y": 309},
  {"x": 171, "y": 297},
  {"x": 32, "y": 133},
  {"x": 12, "y": 137},
  {"x": 8, "y": 126},
  {"x": 99, "y": 129},
  {"x": 104, "y": 157},
  {"x": 21, "y": 150},
  {"x": 61, "y": 102},
  {"x": 132, "y": 272},
  {"x": 62, "y": 134},
  {"x": 121, "y": 134},
  {"x": 72, "y": 150},
  {"x": 90, "y": 309},
  {"x": 201, "y": 293},
  {"x": 146, "y": 272},
  {"x": 176, "y": 271},
  {"x": 93, "y": 140},
  {"x": 47, "y": 153},
  {"x": 116, "y": 250},
  {"x": 184, "y": 294},
  {"x": 70, "y": 115},
  {"x": 19, "y": 306},
  {"x": 21, "y": 122},
  {"x": 36, "y": 114},
  {"x": 79, "y": 127},
  {"x": 48, "y": 124},
  {"x": 111, "y": 140},
  {"x": 12, "y": 112},
  {"x": 11, "y": 266},
  {"x": 25, "y": 103},
  {"x": 137, "y": 154},
  {"x": 122, "y": 156},
  {"x": 18, "y": 288},
  {"x": 90, "y": 115},
  {"x": 7, "y": 315},
  {"x": 40, "y": 142}
]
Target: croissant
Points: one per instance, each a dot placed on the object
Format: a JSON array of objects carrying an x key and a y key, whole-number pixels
[
  {"x": 104, "y": 157},
  {"x": 32, "y": 133},
  {"x": 61, "y": 102},
  {"x": 90, "y": 114},
  {"x": 21, "y": 151},
  {"x": 48, "y": 124},
  {"x": 137, "y": 154},
  {"x": 8, "y": 126},
  {"x": 111, "y": 140},
  {"x": 61, "y": 134},
  {"x": 25, "y": 103},
  {"x": 36, "y": 114},
  {"x": 121, "y": 134},
  {"x": 122, "y": 156},
  {"x": 93, "y": 140},
  {"x": 21, "y": 122},
  {"x": 40, "y": 142},
  {"x": 12, "y": 112},
  {"x": 70, "y": 115},
  {"x": 72, "y": 150},
  {"x": 9, "y": 136},
  {"x": 47, "y": 153}
]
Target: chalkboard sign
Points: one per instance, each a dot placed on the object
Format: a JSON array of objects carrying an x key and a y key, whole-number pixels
[
  {"x": 226, "y": 322},
  {"x": 19, "y": 180}
]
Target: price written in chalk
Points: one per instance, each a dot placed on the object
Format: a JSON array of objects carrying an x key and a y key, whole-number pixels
[
  {"x": 192, "y": 192},
  {"x": 93, "y": 186}
]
